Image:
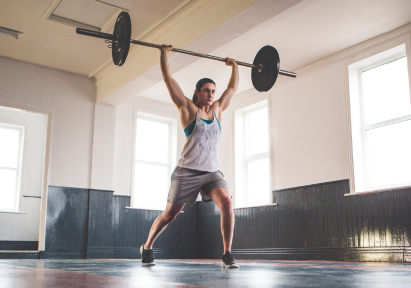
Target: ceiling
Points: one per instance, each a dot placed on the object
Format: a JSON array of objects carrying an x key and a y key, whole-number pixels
[
  {"x": 56, "y": 45},
  {"x": 302, "y": 31}
]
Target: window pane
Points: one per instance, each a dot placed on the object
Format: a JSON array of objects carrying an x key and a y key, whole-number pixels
[
  {"x": 151, "y": 186},
  {"x": 385, "y": 92},
  {"x": 7, "y": 189},
  {"x": 9, "y": 147},
  {"x": 389, "y": 154},
  {"x": 257, "y": 182},
  {"x": 257, "y": 132},
  {"x": 152, "y": 141}
]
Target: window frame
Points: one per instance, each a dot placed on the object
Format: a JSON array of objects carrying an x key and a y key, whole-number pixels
[
  {"x": 19, "y": 168},
  {"x": 171, "y": 157},
  {"x": 365, "y": 128},
  {"x": 240, "y": 145},
  {"x": 354, "y": 66}
]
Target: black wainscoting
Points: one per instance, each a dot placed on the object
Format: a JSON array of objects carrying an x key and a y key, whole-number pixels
[
  {"x": 316, "y": 222},
  {"x": 100, "y": 224},
  {"x": 66, "y": 222},
  {"x": 88, "y": 223},
  {"x": 177, "y": 241},
  {"x": 19, "y": 245}
]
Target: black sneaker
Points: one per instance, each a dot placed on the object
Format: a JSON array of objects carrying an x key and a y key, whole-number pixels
[
  {"x": 228, "y": 261},
  {"x": 147, "y": 257}
]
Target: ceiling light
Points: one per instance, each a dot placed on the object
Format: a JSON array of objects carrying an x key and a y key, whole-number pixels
[{"x": 10, "y": 32}]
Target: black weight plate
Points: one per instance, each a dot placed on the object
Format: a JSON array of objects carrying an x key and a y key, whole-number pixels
[
  {"x": 122, "y": 32},
  {"x": 264, "y": 79}
]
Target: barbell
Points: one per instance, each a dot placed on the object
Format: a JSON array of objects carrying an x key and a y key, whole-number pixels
[{"x": 264, "y": 70}]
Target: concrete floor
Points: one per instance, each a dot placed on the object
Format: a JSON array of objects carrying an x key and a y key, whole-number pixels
[{"x": 200, "y": 273}]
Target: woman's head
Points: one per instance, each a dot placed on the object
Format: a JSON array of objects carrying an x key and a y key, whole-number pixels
[{"x": 205, "y": 89}]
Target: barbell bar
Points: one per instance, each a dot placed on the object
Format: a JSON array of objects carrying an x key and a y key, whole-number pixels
[{"x": 265, "y": 68}]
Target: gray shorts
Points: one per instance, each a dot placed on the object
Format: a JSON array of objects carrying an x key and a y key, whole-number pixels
[{"x": 187, "y": 183}]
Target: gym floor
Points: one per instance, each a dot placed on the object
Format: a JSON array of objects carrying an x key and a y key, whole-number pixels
[{"x": 200, "y": 273}]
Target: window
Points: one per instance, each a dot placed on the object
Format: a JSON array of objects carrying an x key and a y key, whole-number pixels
[
  {"x": 252, "y": 174},
  {"x": 11, "y": 150},
  {"x": 382, "y": 127},
  {"x": 155, "y": 156}
]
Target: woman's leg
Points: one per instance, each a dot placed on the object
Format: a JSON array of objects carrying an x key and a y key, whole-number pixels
[
  {"x": 222, "y": 198},
  {"x": 171, "y": 212}
]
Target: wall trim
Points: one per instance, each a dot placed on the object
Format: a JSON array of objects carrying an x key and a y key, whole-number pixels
[
  {"x": 360, "y": 254},
  {"x": 19, "y": 245},
  {"x": 61, "y": 255},
  {"x": 101, "y": 190},
  {"x": 311, "y": 185},
  {"x": 19, "y": 255},
  {"x": 94, "y": 252},
  {"x": 127, "y": 196},
  {"x": 379, "y": 191}
]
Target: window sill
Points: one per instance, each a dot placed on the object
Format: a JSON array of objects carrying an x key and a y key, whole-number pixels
[
  {"x": 378, "y": 191},
  {"x": 13, "y": 212},
  {"x": 256, "y": 206}
]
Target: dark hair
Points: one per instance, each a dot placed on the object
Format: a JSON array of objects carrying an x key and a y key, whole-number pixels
[{"x": 199, "y": 85}]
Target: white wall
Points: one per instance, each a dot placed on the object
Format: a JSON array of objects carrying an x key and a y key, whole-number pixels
[
  {"x": 68, "y": 99},
  {"x": 308, "y": 129},
  {"x": 103, "y": 147}
]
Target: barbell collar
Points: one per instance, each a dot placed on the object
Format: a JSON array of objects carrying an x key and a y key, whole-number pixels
[
  {"x": 287, "y": 73},
  {"x": 96, "y": 34}
]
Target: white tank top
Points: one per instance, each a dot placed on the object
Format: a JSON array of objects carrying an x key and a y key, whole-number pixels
[{"x": 201, "y": 148}]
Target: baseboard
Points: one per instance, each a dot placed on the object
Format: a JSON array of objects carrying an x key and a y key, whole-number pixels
[
  {"x": 380, "y": 254},
  {"x": 19, "y": 255},
  {"x": 94, "y": 252},
  {"x": 126, "y": 252},
  {"x": 62, "y": 255},
  {"x": 118, "y": 252},
  {"x": 171, "y": 253},
  {"x": 19, "y": 245}
]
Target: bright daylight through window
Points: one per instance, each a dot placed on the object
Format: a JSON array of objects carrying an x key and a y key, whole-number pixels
[
  {"x": 387, "y": 124},
  {"x": 152, "y": 163},
  {"x": 252, "y": 156},
  {"x": 10, "y": 166},
  {"x": 381, "y": 133}
]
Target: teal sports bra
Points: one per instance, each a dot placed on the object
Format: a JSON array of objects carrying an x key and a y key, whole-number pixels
[{"x": 190, "y": 127}]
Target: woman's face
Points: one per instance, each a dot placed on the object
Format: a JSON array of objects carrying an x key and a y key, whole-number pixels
[{"x": 206, "y": 94}]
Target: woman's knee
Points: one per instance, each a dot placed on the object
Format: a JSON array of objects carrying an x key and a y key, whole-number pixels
[
  {"x": 169, "y": 217},
  {"x": 227, "y": 205}
]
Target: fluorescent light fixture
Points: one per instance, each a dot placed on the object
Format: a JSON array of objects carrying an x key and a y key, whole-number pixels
[{"x": 10, "y": 32}]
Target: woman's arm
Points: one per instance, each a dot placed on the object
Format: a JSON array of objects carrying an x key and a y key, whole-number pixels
[
  {"x": 228, "y": 94},
  {"x": 176, "y": 94}
]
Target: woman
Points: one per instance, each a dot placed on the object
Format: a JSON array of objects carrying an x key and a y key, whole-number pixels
[{"x": 197, "y": 170}]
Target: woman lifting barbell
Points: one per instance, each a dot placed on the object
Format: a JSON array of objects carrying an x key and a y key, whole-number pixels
[{"x": 197, "y": 170}]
